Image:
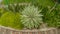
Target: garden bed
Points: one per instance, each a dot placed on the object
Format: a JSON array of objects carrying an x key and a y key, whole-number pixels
[{"x": 34, "y": 17}]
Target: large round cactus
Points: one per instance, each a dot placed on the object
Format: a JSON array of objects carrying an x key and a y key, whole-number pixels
[{"x": 31, "y": 17}]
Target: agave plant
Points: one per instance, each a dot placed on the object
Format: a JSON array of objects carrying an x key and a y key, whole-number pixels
[{"x": 31, "y": 17}]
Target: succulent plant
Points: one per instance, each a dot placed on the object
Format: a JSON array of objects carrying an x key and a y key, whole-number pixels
[
  {"x": 31, "y": 17},
  {"x": 14, "y": 7}
]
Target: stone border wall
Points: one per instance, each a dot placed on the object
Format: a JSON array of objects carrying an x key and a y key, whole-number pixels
[{"x": 8, "y": 30}]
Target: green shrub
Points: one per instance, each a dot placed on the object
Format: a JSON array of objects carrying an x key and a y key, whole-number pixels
[
  {"x": 31, "y": 18},
  {"x": 10, "y": 19}
]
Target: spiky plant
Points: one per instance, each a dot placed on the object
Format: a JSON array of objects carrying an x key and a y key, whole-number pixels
[
  {"x": 31, "y": 17},
  {"x": 14, "y": 7}
]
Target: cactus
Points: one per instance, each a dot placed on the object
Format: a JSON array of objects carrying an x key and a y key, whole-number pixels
[{"x": 31, "y": 17}]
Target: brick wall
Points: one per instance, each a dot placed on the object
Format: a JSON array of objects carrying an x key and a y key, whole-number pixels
[{"x": 7, "y": 30}]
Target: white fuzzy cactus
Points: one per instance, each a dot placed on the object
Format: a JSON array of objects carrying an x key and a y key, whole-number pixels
[{"x": 31, "y": 17}]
